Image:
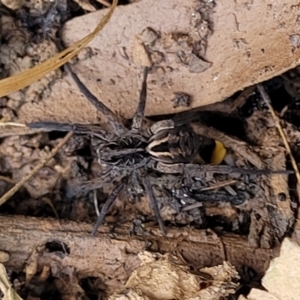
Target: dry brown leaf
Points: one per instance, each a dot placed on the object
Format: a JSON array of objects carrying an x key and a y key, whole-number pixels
[
  {"x": 31, "y": 266},
  {"x": 49, "y": 202},
  {"x": 13, "y": 4},
  {"x": 45, "y": 273},
  {"x": 4, "y": 257},
  {"x": 5, "y": 286},
  {"x": 163, "y": 277},
  {"x": 22, "y": 80}
]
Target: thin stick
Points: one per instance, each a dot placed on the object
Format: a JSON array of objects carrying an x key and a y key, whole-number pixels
[
  {"x": 267, "y": 99},
  {"x": 242, "y": 98},
  {"x": 104, "y": 2},
  {"x": 7, "y": 179},
  {"x": 16, "y": 130},
  {"x": 12, "y": 124},
  {"x": 16, "y": 187},
  {"x": 219, "y": 185},
  {"x": 96, "y": 204}
]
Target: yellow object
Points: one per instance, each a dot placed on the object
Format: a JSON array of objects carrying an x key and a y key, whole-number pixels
[{"x": 218, "y": 153}]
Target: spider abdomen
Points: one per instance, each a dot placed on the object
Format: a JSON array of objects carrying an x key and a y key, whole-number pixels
[{"x": 175, "y": 145}]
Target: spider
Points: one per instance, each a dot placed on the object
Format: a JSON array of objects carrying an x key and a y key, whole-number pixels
[{"x": 130, "y": 154}]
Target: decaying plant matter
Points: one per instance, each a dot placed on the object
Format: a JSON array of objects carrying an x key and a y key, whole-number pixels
[
  {"x": 122, "y": 165},
  {"x": 134, "y": 156}
]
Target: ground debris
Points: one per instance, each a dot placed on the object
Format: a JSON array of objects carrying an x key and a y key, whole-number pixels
[
  {"x": 5, "y": 286},
  {"x": 18, "y": 53},
  {"x": 164, "y": 277},
  {"x": 281, "y": 280},
  {"x": 247, "y": 215}
]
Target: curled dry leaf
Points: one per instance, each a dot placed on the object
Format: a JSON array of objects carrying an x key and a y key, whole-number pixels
[
  {"x": 31, "y": 266},
  {"x": 4, "y": 256},
  {"x": 5, "y": 286},
  {"x": 164, "y": 277},
  {"x": 13, "y": 4}
]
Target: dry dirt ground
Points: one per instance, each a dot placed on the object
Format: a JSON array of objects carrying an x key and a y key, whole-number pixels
[{"x": 231, "y": 224}]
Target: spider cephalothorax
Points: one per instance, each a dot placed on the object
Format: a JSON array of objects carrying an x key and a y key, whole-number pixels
[
  {"x": 124, "y": 152},
  {"x": 130, "y": 154}
]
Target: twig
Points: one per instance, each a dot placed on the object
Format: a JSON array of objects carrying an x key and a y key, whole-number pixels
[
  {"x": 221, "y": 243},
  {"x": 242, "y": 98},
  {"x": 16, "y": 187},
  {"x": 7, "y": 179},
  {"x": 192, "y": 206},
  {"x": 267, "y": 99},
  {"x": 96, "y": 204},
  {"x": 16, "y": 130},
  {"x": 104, "y": 2},
  {"x": 218, "y": 185},
  {"x": 49, "y": 202},
  {"x": 12, "y": 124}
]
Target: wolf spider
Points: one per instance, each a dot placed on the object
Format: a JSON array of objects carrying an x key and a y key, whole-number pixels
[{"x": 132, "y": 153}]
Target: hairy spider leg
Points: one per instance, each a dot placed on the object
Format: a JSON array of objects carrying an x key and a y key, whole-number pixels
[
  {"x": 107, "y": 205},
  {"x": 135, "y": 128},
  {"x": 139, "y": 114},
  {"x": 94, "y": 130},
  {"x": 96, "y": 183},
  {"x": 153, "y": 203},
  {"x": 198, "y": 170},
  {"x": 229, "y": 170},
  {"x": 109, "y": 114},
  {"x": 84, "y": 187}
]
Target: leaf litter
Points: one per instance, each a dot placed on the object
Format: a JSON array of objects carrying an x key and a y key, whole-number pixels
[{"x": 265, "y": 217}]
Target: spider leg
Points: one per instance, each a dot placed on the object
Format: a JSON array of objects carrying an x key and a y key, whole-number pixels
[
  {"x": 110, "y": 115},
  {"x": 95, "y": 130},
  {"x": 153, "y": 202},
  {"x": 221, "y": 169},
  {"x": 158, "y": 128},
  {"x": 139, "y": 114},
  {"x": 200, "y": 170},
  {"x": 105, "y": 208},
  {"x": 84, "y": 187},
  {"x": 89, "y": 185}
]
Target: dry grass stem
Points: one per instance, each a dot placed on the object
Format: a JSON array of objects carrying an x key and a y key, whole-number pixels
[
  {"x": 12, "y": 124},
  {"x": 219, "y": 185},
  {"x": 16, "y": 187},
  {"x": 104, "y": 2},
  {"x": 21, "y": 80},
  {"x": 267, "y": 100}
]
